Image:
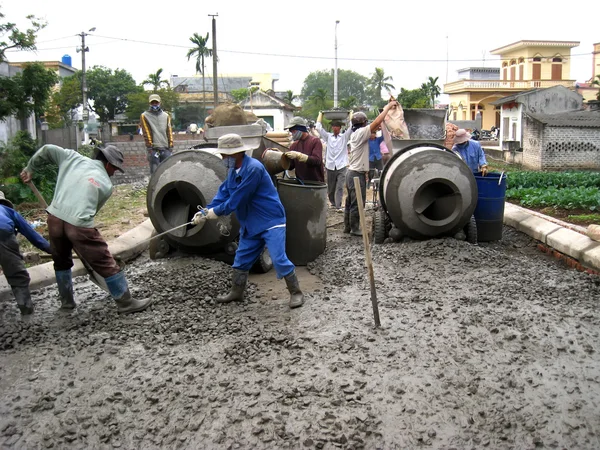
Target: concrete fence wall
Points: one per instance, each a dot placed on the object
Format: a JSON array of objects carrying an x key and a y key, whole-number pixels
[{"x": 136, "y": 162}]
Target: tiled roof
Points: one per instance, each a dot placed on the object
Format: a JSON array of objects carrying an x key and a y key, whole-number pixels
[{"x": 584, "y": 119}]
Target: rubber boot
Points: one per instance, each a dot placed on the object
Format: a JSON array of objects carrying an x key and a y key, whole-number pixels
[
  {"x": 117, "y": 285},
  {"x": 355, "y": 225},
  {"x": 346, "y": 222},
  {"x": 238, "y": 284},
  {"x": 23, "y": 298},
  {"x": 296, "y": 295},
  {"x": 64, "y": 281}
]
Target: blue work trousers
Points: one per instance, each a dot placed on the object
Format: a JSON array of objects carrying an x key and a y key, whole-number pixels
[
  {"x": 250, "y": 248},
  {"x": 156, "y": 156}
]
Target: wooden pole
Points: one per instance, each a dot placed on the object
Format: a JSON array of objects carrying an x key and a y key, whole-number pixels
[{"x": 368, "y": 261}]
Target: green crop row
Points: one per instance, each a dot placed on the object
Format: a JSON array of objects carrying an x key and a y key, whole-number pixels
[
  {"x": 522, "y": 179},
  {"x": 567, "y": 198}
]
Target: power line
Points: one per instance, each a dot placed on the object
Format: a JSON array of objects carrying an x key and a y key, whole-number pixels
[{"x": 278, "y": 55}]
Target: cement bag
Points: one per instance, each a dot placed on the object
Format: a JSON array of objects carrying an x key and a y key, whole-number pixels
[
  {"x": 396, "y": 124},
  {"x": 226, "y": 115},
  {"x": 387, "y": 139}
]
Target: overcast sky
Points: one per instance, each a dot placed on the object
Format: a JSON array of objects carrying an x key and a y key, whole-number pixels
[{"x": 410, "y": 41}]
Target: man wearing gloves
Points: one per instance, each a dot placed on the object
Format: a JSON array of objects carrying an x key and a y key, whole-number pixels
[
  {"x": 249, "y": 192},
  {"x": 306, "y": 152},
  {"x": 336, "y": 159},
  {"x": 11, "y": 260},
  {"x": 82, "y": 188},
  {"x": 470, "y": 151},
  {"x": 158, "y": 133},
  {"x": 359, "y": 165}
]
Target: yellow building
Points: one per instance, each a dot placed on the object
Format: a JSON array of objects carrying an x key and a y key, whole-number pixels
[{"x": 524, "y": 65}]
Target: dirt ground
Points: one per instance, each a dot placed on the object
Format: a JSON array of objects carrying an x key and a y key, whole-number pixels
[{"x": 488, "y": 346}]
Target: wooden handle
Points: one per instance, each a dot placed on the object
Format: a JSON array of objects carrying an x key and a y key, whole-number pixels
[{"x": 39, "y": 196}]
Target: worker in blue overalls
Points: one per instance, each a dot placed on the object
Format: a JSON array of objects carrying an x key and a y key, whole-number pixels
[
  {"x": 249, "y": 192},
  {"x": 470, "y": 151}
]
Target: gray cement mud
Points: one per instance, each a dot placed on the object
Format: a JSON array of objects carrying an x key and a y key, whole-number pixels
[{"x": 489, "y": 346}]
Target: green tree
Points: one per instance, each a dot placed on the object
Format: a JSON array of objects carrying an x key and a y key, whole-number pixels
[
  {"x": 64, "y": 101},
  {"x": 200, "y": 51},
  {"x": 349, "y": 103},
  {"x": 431, "y": 89},
  {"x": 13, "y": 38},
  {"x": 187, "y": 113},
  {"x": 27, "y": 92},
  {"x": 289, "y": 97},
  {"x": 155, "y": 80},
  {"x": 414, "y": 98},
  {"x": 378, "y": 82},
  {"x": 240, "y": 94},
  {"x": 109, "y": 91},
  {"x": 350, "y": 83},
  {"x": 596, "y": 82},
  {"x": 137, "y": 102}
]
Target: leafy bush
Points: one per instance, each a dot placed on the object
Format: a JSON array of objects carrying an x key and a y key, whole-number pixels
[
  {"x": 567, "y": 198},
  {"x": 14, "y": 156},
  {"x": 523, "y": 179}
]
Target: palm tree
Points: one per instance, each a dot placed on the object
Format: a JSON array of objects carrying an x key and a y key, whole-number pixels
[
  {"x": 289, "y": 97},
  {"x": 596, "y": 82},
  {"x": 379, "y": 82},
  {"x": 319, "y": 98},
  {"x": 155, "y": 80},
  {"x": 432, "y": 89},
  {"x": 349, "y": 103},
  {"x": 201, "y": 51}
]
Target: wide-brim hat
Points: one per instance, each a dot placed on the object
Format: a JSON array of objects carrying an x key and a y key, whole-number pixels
[
  {"x": 113, "y": 155},
  {"x": 230, "y": 144},
  {"x": 461, "y": 136},
  {"x": 4, "y": 201}
]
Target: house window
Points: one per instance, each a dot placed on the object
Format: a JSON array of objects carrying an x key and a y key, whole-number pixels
[
  {"x": 505, "y": 128},
  {"x": 513, "y": 73},
  {"x": 536, "y": 68},
  {"x": 556, "y": 68},
  {"x": 504, "y": 71},
  {"x": 514, "y": 131}
]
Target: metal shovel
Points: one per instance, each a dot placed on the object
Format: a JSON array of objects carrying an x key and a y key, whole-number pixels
[{"x": 94, "y": 276}]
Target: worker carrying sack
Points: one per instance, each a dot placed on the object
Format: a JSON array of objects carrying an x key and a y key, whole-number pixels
[{"x": 395, "y": 122}]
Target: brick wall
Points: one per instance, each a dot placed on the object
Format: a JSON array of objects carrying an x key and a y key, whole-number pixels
[
  {"x": 571, "y": 148},
  {"x": 532, "y": 144},
  {"x": 560, "y": 148},
  {"x": 134, "y": 152}
]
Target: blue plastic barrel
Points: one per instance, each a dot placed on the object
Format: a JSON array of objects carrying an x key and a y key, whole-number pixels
[{"x": 489, "y": 213}]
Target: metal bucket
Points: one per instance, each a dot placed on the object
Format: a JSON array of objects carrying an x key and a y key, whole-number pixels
[
  {"x": 305, "y": 205},
  {"x": 274, "y": 161}
]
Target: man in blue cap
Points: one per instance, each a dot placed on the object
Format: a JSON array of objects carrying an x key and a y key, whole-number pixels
[{"x": 249, "y": 192}]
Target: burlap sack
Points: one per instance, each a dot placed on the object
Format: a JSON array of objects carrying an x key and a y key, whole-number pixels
[
  {"x": 396, "y": 124},
  {"x": 450, "y": 133},
  {"x": 593, "y": 232},
  {"x": 226, "y": 115}
]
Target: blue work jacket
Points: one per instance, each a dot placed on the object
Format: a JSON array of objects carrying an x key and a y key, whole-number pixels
[
  {"x": 12, "y": 222},
  {"x": 250, "y": 193},
  {"x": 472, "y": 155}
]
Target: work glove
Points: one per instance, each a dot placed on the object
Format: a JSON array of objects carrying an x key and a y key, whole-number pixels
[
  {"x": 296, "y": 155},
  {"x": 199, "y": 217},
  {"x": 484, "y": 170},
  {"x": 210, "y": 214}
]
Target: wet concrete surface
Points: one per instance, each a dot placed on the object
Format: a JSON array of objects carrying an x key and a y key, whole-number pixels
[{"x": 489, "y": 346}]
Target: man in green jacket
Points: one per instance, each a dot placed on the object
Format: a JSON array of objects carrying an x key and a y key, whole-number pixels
[{"x": 82, "y": 188}]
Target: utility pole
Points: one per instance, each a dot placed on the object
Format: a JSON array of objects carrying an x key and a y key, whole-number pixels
[
  {"x": 214, "y": 57},
  {"x": 335, "y": 80},
  {"x": 85, "y": 113}
]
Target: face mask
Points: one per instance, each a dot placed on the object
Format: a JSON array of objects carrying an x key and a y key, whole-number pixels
[
  {"x": 228, "y": 162},
  {"x": 296, "y": 135},
  {"x": 154, "y": 107}
]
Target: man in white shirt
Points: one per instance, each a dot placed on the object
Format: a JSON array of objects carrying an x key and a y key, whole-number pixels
[
  {"x": 336, "y": 160},
  {"x": 359, "y": 165}
]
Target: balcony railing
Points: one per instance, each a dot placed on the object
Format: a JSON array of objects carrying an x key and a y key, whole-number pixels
[{"x": 472, "y": 85}]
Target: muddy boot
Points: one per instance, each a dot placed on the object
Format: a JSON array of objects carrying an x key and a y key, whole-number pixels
[
  {"x": 346, "y": 222},
  {"x": 117, "y": 285},
  {"x": 23, "y": 298},
  {"x": 64, "y": 281},
  {"x": 355, "y": 225},
  {"x": 238, "y": 284},
  {"x": 296, "y": 295}
]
